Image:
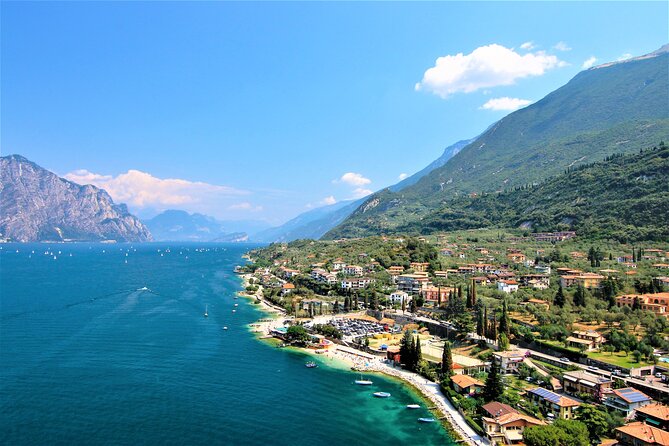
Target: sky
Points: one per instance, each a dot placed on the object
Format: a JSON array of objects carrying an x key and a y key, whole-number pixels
[{"x": 262, "y": 111}]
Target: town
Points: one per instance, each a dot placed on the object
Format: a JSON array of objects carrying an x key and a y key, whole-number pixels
[{"x": 530, "y": 336}]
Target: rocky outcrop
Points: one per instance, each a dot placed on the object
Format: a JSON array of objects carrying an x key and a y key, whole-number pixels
[{"x": 37, "y": 205}]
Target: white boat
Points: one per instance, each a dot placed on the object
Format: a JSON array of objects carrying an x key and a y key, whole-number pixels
[
  {"x": 413, "y": 406},
  {"x": 236, "y": 305},
  {"x": 426, "y": 420},
  {"x": 363, "y": 382},
  {"x": 225, "y": 328},
  {"x": 234, "y": 311},
  {"x": 381, "y": 394},
  {"x": 206, "y": 313}
]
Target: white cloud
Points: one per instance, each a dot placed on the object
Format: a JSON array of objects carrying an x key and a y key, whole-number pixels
[
  {"x": 590, "y": 61},
  {"x": 142, "y": 190},
  {"x": 487, "y": 66},
  {"x": 327, "y": 201},
  {"x": 505, "y": 103},
  {"x": 403, "y": 176},
  {"x": 353, "y": 179},
  {"x": 245, "y": 206},
  {"x": 562, "y": 46},
  {"x": 528, "y": 45},
  {"x": 360, "y": 192},
  {"x": 625, "y": 57}
]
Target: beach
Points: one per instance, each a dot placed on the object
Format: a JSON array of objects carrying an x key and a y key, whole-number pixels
[{"x": 350, "y": 358}]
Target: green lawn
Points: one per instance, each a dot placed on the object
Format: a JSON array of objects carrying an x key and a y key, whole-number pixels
[{"x": 617, "y": 358}]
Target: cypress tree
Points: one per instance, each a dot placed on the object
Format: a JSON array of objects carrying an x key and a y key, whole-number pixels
[
  {"x": 559, "y": 299},
  {"x": 493, "y": 328},
  {"x": 447, "y": 360},
  {"x": 413, "y": 354},
  {"x": 480, "y": 322},
  {"x": 486, "y": 325},
  {"x": 405, "y": 348},
  {"x": 473, "y": 293},
  {"x": 460, "y": 292},
  {"x": 579, "y": 296},
  {"x": 494, "y": 384},
  {"x": 504, "y": 322},
  {"x": 404, "y": 305},
  {"x": 439, "y": 297},
  {"x": 418, "y": 352}
]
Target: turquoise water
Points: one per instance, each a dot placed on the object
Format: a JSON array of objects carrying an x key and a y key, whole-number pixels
[{"x": 86, "y": 358}]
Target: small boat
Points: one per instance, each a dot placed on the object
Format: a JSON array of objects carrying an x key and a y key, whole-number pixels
[
  {"x": 413, "y": 406},
  {"x": 381, "y": 394},
  {"x": 236, "y": 305},
  {"x": 206, "y": 313},
  {"x": 225, "y": 328},
  {"x": 426, "y": 420},
  {"x": 311, "y": 365},
  {"x": 363, "y": 382},
  {"x": 234, "y": 311}
]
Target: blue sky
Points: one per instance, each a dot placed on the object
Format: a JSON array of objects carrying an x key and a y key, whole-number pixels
[{"x": 263, "y": 110}]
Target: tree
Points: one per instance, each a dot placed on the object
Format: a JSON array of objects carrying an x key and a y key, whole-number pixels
[
  {"x": 447, "y": 360},
  {"x": 595, "y": 421},
  {"x": 297, "y": 334},
  {"x": 404, "y": 305},
  {"x": 494, "y": 384},
  {"x": 560, "y": 433},
  {"x": 412, "y": 305},
  {"x": 504, "y": 322},
  {"x": 503, "y": 342},
  {"x": 418, "y": 354},
  {"x": 559, "y": 299},
  {"x": 406, "y": 350},
  {"x": 636, "y": 354},
  {"x": 480, "y": 321},
  {"x": 579, "y": 296}
]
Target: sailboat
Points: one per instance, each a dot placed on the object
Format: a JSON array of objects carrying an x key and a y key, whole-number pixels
[
  {"x": 363, "y": 382},
  {"x": 206, "y": 313}
]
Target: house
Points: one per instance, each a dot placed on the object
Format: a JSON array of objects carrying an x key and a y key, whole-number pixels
[
  {"x": 543, "y": 269},
  {"x": 509, "y": 360},
  {"x": 466, "y": 385},
  {"x": 586, "y": 280},
  {"x": 661, "y": 281},
  {"x": 507, "y": 286},
  {"x": 352, "y": 270},
  {"x": 505, "y": 424},
  {"x": 536, "y": 281},
  {"x": 516, "y": 257},
  {"x": 466, "y": 365},
  {"x": 287, "y": 288},
  {"x": 412, "y": 283},
  {"x": 640, "y": 434},
  {"x": 338, "y": 264},
  {"x": 323, "y": 276},
  {"x": 419, "y": 267},
  {"x": 658, "y": 303},
  {"x": 398, "y": 297},
  {"x": 355, "y": 283},
  {"x": 442, "y": 274},
  {"x": 435, "y": 294},
  {"x": 395, "y": 271},
  {"x": 581, "y": 382},
  {"x": 627, "y": 400},
  {"x": 589, "y": 340},
  {"x": 654, "y": 414},
  {"x": 287, "y": 273},
  {"x": 552, "y": 403}
]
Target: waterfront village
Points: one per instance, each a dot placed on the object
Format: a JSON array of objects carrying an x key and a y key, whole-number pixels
[{"x": 515, "y": 338}]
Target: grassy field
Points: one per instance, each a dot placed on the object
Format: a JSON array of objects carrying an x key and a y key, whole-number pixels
[{"x": 618, "y": 358}]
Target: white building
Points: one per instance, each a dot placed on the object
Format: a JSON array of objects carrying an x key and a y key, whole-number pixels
[
  {"x": 398, "y": 297},
  {"x": 507, "y": 286}
]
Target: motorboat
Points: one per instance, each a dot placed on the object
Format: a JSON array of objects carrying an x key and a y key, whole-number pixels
[
  {"x": 426, "y": 420},
  {"x": 381, "y": 394},
  {"x": 311, "y": 365},
  {"x": 206, "y": 312},
  {"x": 413, "y": 406}
]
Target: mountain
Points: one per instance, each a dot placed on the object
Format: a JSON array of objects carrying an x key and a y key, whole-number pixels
[
  {"x": 37, "y": 205},
  {"x": 449, "y": 152},
  {"x": 309, "y": 225},
  {"x": 177, "y": 225},
  {"x": 615, "y": 108},
  {"x": 624, "y": 197}
]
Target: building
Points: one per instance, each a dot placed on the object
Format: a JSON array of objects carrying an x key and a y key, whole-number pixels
[
  {"x": 509, "y": 361},
  {"x": 589, "y": 340},
  {"x": 287, "y": 288},
  {"x": 355, "y": 283},
  {"x": 466, "y": 385},
  {"x": 352, "y": 270},
  {"x": 654, "y": 414},
  {"x": 507, "y": 286},
  {"x": 627, "y": 401},
  {"x": 435, "y": 294},
  {"x": 505, "y": 424},
  {"x": 395, "y": 271},
  {"x": 552, "y": 403},
  {"x": 419, "y": 267},
  {"x": 516, "y": 257},
  {"x": 466, "y": 365},
  {"x": 412, "y": 283},
  {"x": 586, "y": 280},
  {"x": 536, "y": 281},
  {"x": 580, "y": 382},
  {"x": 398, "y": 297},
  {"x": 640, "y": 434},
  {"x": 658, "y": 303},
  {"x": 287, "y": 273},
  {"x": 338, "y": 264}
]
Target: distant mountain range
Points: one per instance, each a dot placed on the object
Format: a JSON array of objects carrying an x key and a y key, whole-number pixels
[
  {"x": 315, "y": 223},
  {"x": 177, "y": 225},
  {"x": 38, "y": 205},
  {"x": 614, "y": 108}
]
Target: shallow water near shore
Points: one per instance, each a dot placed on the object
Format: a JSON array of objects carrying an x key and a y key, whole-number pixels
[{"x": 88, "y": 357}]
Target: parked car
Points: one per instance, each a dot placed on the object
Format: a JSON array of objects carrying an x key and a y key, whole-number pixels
[
  {"x": 592, "y": 367},
  {"x": 565, "y": 359}
]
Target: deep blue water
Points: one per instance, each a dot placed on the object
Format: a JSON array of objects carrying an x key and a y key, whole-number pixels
[{"x": 86, "y": 358}]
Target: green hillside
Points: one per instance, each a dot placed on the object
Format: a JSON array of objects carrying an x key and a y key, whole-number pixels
[{"x": 617, "y": 108}]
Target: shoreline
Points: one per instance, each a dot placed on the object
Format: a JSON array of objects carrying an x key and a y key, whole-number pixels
[{"x": 447, "y": 415}]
